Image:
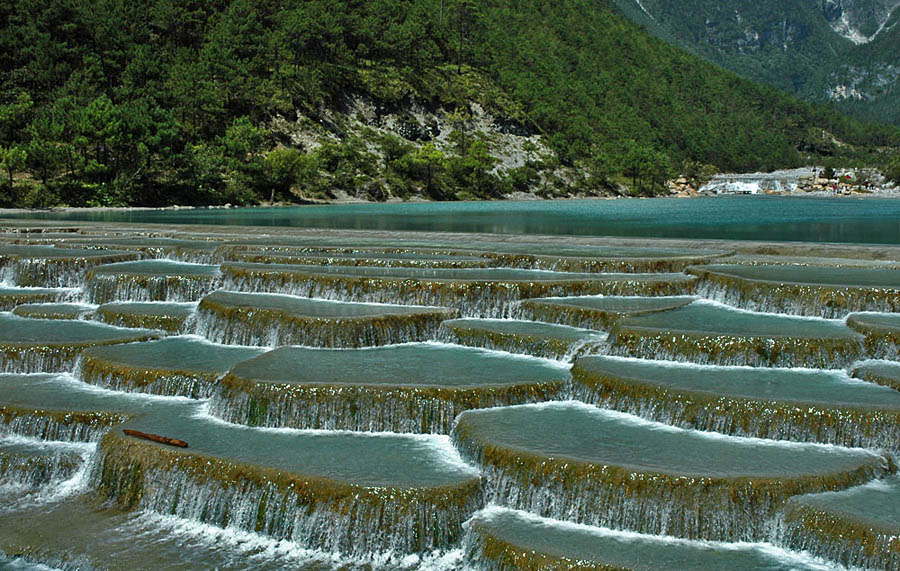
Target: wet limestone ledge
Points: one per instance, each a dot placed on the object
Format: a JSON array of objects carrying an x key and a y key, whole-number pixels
[
  {"x": 275, "y": 319},
  {"x": 417, "y": 388},
  {"x": 50, "y": 345},
  {"x": 859, "y": 527},
  {"x": 54, "y": 310},
  {"x": 10, "y": 297},
  {"x": 881, "y": 332},
  {"x": 175, "y": 366},
  {"x": 593, "y": 312},
  {"x": 826, "y": 407},
  {"x": 527, "y": 337},
  {"x": 58, "y": 425},
  {"x": 150, "y": 280},
  {"x": 607, "y": 259},
  {"x": 500, "y": 539},
  {"x": 571, "y": 461},
  {"x": 708, "y": 333},
  {"x": 199, "y": 251},
  {"x": 320, "y": 512},
  {"x": 374, "y": 258},
  {"x": 169, "y": 317},
  {"x": 829, "y": 292},
  {"x": 34, "y": 463},
  {"x": 473, "y": 292},
  {"x": 48, "y": 266},
  {"x": 884, "y": 373}
]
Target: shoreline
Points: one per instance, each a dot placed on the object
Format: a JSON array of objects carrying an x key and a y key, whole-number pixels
[{"x": 887, "y": 195}]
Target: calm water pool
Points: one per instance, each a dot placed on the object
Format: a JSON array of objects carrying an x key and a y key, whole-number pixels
[{"x": 851, "y": 220}]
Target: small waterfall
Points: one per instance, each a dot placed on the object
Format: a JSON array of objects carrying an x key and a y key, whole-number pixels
[
  {"x": 644, "y": 500},
  {"x": 789, "y": 352},
  {"x": 60, "y": 272},
  {"x": 99, "y": 372},
  {"x": 852, "y": 542},
  {"x": 150, "y": 280},
  {"x": 38, "y": 359},
  {"x": 12, "y": 297},
  {"x": 881, "y": 340},
  {"x": 104, "y": 288},
  {"x": 267, "y": 328},
  {"x": 546, "y": 347},
  {"x": 795, "y": 299},
  {"x": 34, "y": 464},
  {"x": 313, "y": 512},
  {"x": 841, "y": 426},
  {"x": 64, "y": 426},
  {"x": 473, "y": 298},
  {"x": 429, "y": 410},
  {"x": 168, "y": 317},
  {"x": 587, "y": 264}
]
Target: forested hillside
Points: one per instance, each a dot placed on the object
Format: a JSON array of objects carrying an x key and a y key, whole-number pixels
[{"x": 104, "y": 102}]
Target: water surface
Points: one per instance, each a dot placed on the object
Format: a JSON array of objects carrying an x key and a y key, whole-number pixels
[{"x": 851, "y": 220}]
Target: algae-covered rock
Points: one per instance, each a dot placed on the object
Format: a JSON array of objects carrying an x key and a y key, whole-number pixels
[
  {"x": 169, "y": 316},
  {"x": 708, "y": 333},
  {"x": 885, "y": 373},
  {"x": 859, "y": 527},
  {"x": 830, "y": 291},
  {"x": 335, "y": 491},
  {"x": 48, "y": 266},
  {"x": 276, "y": 319},
  {"x": 573, "y": 461},
  {"x": 517, "y": 336},
  {"x": 402, "y": 388},
  {"x": 150, "y": 280},
  {"x": 50, "y": 345},
  {"x": 804, "y": 405},
  {"x": 474, "y": 292},
  {"x": 500, "y": 539},
  {"x": 881, "y": 333},
  {"x": 54, "y": 310},
  {"x": 175, "y": 366},
  {"x": 594, "y": 312}
]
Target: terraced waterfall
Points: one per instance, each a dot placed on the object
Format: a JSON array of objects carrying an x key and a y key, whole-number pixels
[{"x": 255, "y": 399}]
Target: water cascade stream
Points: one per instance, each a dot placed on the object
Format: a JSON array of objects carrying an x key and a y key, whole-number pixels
[{"x": 240, "y": 398}]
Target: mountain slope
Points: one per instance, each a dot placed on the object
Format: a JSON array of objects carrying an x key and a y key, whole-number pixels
[
  {"x": 841, "y": 51},
  {"x": 213, "y": 101}
]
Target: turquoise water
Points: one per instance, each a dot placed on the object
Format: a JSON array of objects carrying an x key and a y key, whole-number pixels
[{"x": 850, "y": 220}]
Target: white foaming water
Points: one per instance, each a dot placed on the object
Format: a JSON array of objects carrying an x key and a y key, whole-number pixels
[
  {"x": 55, "y": 491},
  {"x": 253, "y": 549},
  {"x": 72, "y": 379}
]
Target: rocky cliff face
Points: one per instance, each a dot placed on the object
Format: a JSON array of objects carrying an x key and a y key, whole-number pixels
[
  {"x": 860, "y": 21},
  {"x": 843, "y": 51}
]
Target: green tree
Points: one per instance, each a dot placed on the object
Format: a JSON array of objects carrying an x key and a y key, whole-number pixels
[
  {"x": 892, "y": 171},
  {"x": 12, "y": 160},
  {"x": 282, "y": 168}
]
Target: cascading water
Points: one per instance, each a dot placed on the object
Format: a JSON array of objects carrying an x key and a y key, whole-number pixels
[{"x": 300, "y": 418}]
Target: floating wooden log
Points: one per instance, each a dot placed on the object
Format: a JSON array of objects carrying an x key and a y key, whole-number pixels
[{"x": 156, "y": 438}]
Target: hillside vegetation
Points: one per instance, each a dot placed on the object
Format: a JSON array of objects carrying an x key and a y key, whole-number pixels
[{"x": 104, "y": 102}]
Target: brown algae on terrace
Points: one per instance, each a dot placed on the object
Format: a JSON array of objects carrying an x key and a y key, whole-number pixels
[{"x": 418, "y": 387}]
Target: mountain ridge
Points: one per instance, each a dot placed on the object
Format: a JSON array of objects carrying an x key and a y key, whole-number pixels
[{"x": 842, "y": 52}]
